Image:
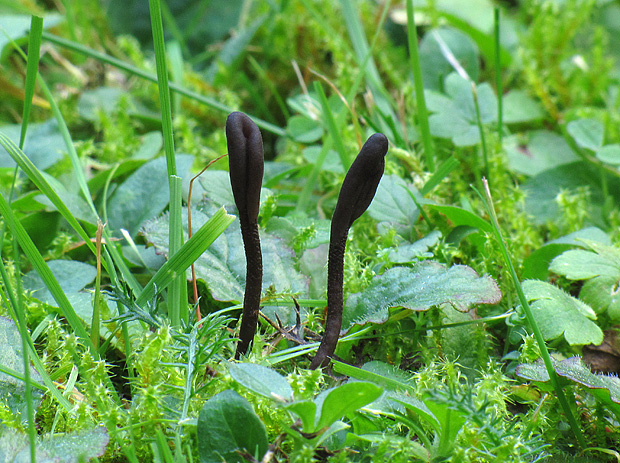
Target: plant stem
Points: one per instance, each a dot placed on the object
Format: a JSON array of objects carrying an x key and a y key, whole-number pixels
[
  {"x": 498, "y": 75},
  {"x": 544, "y": 352},
  {"x": 414, "y": 59}
]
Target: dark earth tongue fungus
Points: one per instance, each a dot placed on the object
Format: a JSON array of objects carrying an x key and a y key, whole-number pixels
[
  {"x": 246, "y": 162},
  {"x": 356, "y": 194}
]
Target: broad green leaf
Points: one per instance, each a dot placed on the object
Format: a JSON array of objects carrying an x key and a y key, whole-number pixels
[
  {"x": 71, "y": 198},
  {"x": 100, "y": 99},
  {"x": 405, "y": 253},
  {"x": 262, "y": 380},
  {"x": 306, "y": 411},
  {"x": 542, "y": 191},
  {"x": 602, "y": 294},
  {"x": 536, "y": 151},
  {"x": 72, "y": 276},
  {"x": 536, "y": 265},
  {"x": 559, "y": 314},
  {"x": 600, "y": 266},
  {"x": 143, "y": 195},
  {"x": 434, "y": 65},
  {"x": 344, "y": 399},
  {"x": 588, "y": 133},
  {"x": 222, "y": 265},
  {"x": 450, "y": 420},
  {"x": 152, "y": 143},
  {"x": 420, "y": 287},
  {"x": 13, "y": 390},
  {"x": 64, "y": 448},
  {"x": 519, "y": 108},
  {"x": 393, "y": 204},
  {"x": 332, "y": 162},
  {"x": 37, "y": 261},
  {"x": 189, "y": 252},
  {"x": 606, "y": 388},
  {"x": 227, "y": 423},
  {"x": 418, "y": 408},
  {"x": 44, "y": 145},
  {"x": 215, "y": 185},
  {"x": 396, "y": 442},
  {"x": 579, "y": 264},
  {"x": 304, "y": 129},
  {"x": 201, "y": 27},
  {"x": 455, "y": 114},
  {"x": 609, "y": 154},
  {"x": 291, "y": 229}
]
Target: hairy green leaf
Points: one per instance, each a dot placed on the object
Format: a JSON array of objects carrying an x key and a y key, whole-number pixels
[{"x": 420, "y": 287}]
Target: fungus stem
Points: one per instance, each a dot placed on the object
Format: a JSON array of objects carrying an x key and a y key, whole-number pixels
[
  {"x": 246, "y": 162},
  {"x": 358, "y": 190}
]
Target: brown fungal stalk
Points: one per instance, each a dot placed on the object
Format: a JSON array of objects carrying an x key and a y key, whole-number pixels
[
  {"x": 246, "y": 165},
  {"x": 358, "y": 189}
]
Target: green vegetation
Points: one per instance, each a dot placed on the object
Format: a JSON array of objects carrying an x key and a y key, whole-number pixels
[{"x": 481, "y": 299}]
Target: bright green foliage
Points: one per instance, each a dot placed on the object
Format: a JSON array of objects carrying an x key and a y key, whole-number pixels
[
  {"x": 559, "y": 314},
  {"x": 318, "y": 77},
  {"x": 227, "y": 424},
  {"x": 600, "y": 268},
  {"x": 425, "y": 285},
  {"x": 605, "y": 388}
]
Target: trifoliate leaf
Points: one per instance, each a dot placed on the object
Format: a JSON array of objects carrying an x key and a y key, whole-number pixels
[
  {"x": 455, "y": 114},
  {"x": 588, "y": 133},
  {"x": 600, "y": 266}
]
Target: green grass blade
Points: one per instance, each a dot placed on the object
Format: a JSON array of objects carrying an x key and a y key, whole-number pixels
[
  {"x": 177, "y": 73},
  {"x": 306, "y": 192},
  {"x": 81, "y": 179},
  {"x": 162, "y": 84},
  {"x": 414, "y": 60},
  {"x": 34, "y": 175},
  {"x": 544, "y": 352},
  {"x": 210, "y": 102},
  {"x": 442, "y": 172},
  {"x": 177, "y": 295},
  {"x": 330, "y": 122},
  {"x": 32, "y": 68},
  {"x": 189, "y": 252},
  {"x": 35, "y": 258},
  {"x": 483, "y": 138},
  {"x": 37, "y": 178},
  {"x": 360, "y": 45},
  {"x": 498, "y": 75}
]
